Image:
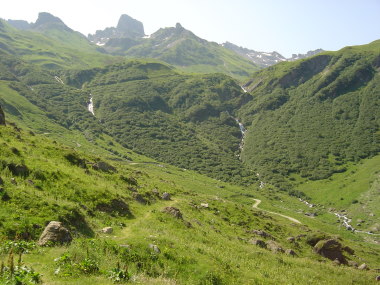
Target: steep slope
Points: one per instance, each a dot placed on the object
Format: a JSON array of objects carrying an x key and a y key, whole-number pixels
[
  {"x": 186, "y": 51},
  {"x": 56, "y": 29},
  {"x": 176, "y": 46},
  {"x": 51, "y": 44},
  {"x": 312, "y": 117},
  {"x": 127, "y": 29},
  {"x": 185, "y": 120},
  {"x": 205, "y": 232}
]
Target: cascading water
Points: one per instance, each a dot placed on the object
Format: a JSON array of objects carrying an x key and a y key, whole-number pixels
[{"x": 90, "y": 106}]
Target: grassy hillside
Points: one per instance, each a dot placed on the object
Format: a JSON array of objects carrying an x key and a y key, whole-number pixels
[
  {"x": 186, "y": 51},
  {"x": 314, "y": 117},
  {"x": 51, "y": 48},
  {"x": 312, "y": 130},
  {"x": 208, "y": 245},
  {"x": 185, "y": 120}
]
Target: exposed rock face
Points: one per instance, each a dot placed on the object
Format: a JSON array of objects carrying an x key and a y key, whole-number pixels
[
  {"x": 265, "y": 59},
  {"x": 127, "y": 29},
  {"x": 2, "y": 117},
  {"x": 46, "y": 21},
  {"x": 175, "y": 212},
  {"x": 130, "y": 27},
  {"x": 55, "y": 233},
  {"x": 306, "y": 55},
  {"x": 331, "y": 249}
]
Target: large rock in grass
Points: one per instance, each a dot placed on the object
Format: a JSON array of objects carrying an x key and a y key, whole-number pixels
[
  {"x": 55, "y": 233},
  {"x": 2, "y": 117},
  {"x": 103, "y": 166},
  {"x": 175, "y": 212},
  {"x": 275, "y": 247},
  {"x": 331, "y": 249}
]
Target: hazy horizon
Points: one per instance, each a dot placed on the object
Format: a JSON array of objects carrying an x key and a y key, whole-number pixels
[{"x": 287, "y": 27}]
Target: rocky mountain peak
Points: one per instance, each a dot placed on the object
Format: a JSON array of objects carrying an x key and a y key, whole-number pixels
[
  {"x": 46, "y": 20},
  {"x": 129, "y": 26},
  {"x": 178, "y": 26},
  {"x": 127, "y": 30}
]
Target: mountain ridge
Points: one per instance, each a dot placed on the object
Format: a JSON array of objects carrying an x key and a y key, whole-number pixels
[{"x": 266, "y": 59}]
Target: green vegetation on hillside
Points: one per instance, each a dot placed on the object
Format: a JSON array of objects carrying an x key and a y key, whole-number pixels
[
  {"x": 43, "y": 180},
  {"x": 186, "y": 51},
  {"x": 180, "y": 119},
  {"x": 51, "y": 48},
  {"x": 312, "y": 117},
  {"x": 313, "y": 129}
]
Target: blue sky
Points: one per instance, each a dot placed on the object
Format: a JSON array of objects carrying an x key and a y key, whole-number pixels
[{"x": 292, "y": 26}]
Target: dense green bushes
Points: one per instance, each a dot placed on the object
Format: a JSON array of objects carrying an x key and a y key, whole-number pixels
[{"x": 314, "y": 116}]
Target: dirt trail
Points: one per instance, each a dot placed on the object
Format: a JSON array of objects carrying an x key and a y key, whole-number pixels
[{"x": 257, "y": 202}]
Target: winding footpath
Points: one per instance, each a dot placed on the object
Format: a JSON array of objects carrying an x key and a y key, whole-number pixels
[{"x": 257, "y": 202}]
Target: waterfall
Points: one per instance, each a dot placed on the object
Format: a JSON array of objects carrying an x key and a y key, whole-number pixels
[{"x": 90, "y": 106}]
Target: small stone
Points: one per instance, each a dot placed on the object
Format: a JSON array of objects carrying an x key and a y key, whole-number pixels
[
  {"x": 166, "y": 196},
  {"x": 13, "y": 181},
  {"x": 204, "y": 205},
  {"x": 377, "y": 278},
  {"x": 363, "y": 267},
  {"x": 337, "y": 262},
  {"x": 291, "y": 239},
  {"x": 352, "y": 263},
  {"x": 300, "y": 236},
  {"x": 154, "y": 248},
  {"x": 290, "y": 252},
  {"x": 275, "y": 247},
  {"x": 175, "y": 212},
  {"x": 258, "y": 242},
  {"x": 261, "y": 233},
  {"x": 107, "y": 230},
  {"x": 139, "y": 198}
]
